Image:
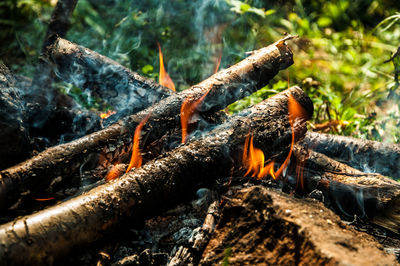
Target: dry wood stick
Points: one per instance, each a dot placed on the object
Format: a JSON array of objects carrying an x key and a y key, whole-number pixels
[
  {"x": 67, "y": 160},
  {"x": 170, "y": 178},
  {"x": 350, "y": 191},
  {"x": 123, "y": 89},
  {"x": 365, "y": 155}
]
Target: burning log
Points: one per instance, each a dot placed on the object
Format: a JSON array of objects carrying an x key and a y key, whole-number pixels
[
  {"x": 260, "y": 226},
  {"x": 67, "y": 160},
  {"x": 365, "y": 155},
  {"x": 171, "y": 178},
  {"x": 123, "y": 89},
  {"x": 351, "y": 192}
]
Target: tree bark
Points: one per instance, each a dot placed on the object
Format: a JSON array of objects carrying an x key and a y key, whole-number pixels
[
  {"x": 351, "y": 192},
  {"x": 365, "y": 155},
  {"x": 126, "y": 91},
  {"x": 67, "y": 160},
  {"x": 170, "y": 178}
]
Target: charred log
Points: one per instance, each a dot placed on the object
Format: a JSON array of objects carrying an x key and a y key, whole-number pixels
[
  {"x": 170, "y": 178},
  {"x": 351, "y": 192},
  {"x": 69, "y": 159},
  {"x": 14, "y": 139},
  {"x": 262, "y": 226},
  {"x": 365, "y": 155},
  {"x": 116, "y": 85}
]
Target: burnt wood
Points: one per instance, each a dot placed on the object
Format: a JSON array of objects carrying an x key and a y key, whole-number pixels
[
  {"x": 171, "y": 178},
  {"x": 14, "y": 139},
  {"x": 365, "y": 155},
  {"x": 67, "y": 160}
]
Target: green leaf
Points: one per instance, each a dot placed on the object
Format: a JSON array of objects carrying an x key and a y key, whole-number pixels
[
  {"x": 147, "y": 69},
  {"x": 324, "y": 22}
]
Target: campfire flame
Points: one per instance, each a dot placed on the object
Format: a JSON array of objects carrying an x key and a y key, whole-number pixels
[
  {"x": 187, "y": 110},
  {"x": 218, "y": 63},
  {"x": 253, "y": 158},
  {"x": 164, "y": 79},
  {"x": 107, "y": 114},
  {"x": 114, "y": 173},
  {"x": 136, "y": 158}
]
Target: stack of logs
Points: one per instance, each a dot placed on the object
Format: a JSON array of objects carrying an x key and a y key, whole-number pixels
[{"x": 173, "y": 172}]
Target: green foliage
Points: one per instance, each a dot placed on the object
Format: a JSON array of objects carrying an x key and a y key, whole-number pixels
[{"x": 339, "y": 57}]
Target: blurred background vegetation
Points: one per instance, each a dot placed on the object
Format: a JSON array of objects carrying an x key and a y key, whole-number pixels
[{"x": 340, "y": 55}]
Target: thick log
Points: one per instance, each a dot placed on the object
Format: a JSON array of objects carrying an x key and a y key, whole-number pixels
[
  {"x": 126, "y": 91},
  {"x": 14, "y": 140},
  {"x": 365, "y": 155},
  {"x": 261, "y": 226},
  {"x": 351, "y": 192},
  {"x": 170, "y": 178},
  {"x": 67, "y": 160}
]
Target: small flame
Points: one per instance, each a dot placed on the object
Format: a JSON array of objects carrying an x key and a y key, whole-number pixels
[
  {"x": 187, "y": 110},
  {"x": 253, "y": 158},
  {"x": 136, "y": 158},
  {"x": 107, "y": 114},
  {"x": 164, "y": 79},
  {"x": 115, "y": 172},
  {"x": 218, "y": 63}
]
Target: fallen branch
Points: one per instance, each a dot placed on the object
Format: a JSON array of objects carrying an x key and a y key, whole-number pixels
[
  {"x": 351, "y": 192},
  {"x": 67, "y": 160},
  {"x": 173, "y": 177},
  {"x": 365, "y": 155},
  {"x": 126, "y": 91}
]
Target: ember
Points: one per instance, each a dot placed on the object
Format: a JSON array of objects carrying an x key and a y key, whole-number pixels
[{"x": 107, "y": 114}]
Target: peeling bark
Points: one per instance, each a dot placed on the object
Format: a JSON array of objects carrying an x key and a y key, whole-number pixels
[
  {"x": 67, "y": 160},
  {"x": 160, "y": 183}
]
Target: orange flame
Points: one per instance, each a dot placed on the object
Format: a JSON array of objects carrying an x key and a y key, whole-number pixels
[
  {"x": 187, "y": 110},
  {"x": 107, "y": 114},
  {"x": 253, "y": 158},
  {"x": 218, "y": 63},
  {"x": 136, "y": 158},
  {"x": 114, "y": 173},
  {"x": 164, "y": 79}
]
